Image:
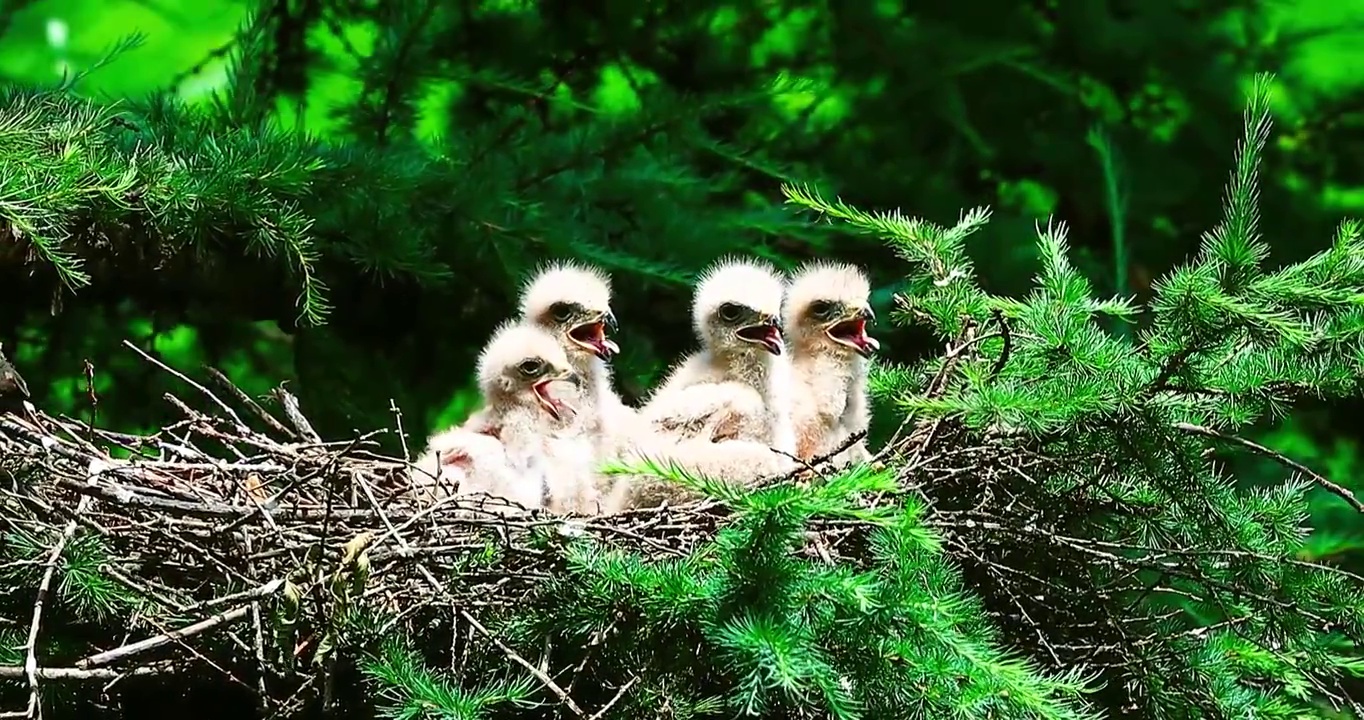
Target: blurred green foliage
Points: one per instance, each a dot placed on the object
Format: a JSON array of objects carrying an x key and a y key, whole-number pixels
[{"x": 1113, "y": 115}]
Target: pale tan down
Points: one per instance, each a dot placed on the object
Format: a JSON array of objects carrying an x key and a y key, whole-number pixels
[
  {"x": 722, "y": 410},
  {"x": 825, "y": 315},
  {"x": 529, "y": 390}
]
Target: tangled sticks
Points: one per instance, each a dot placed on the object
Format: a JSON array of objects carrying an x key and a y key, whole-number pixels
[
  {"x": 235, "y": 547},
  {"x": 245, "y": 552}
]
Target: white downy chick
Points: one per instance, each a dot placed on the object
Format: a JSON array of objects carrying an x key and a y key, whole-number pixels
[
  {"x": 825, "y": 316},
  {"x": 724, "y": 412},
  {"x": 737, "y": 387},
  {"x": 573, "y": 302},
  {"x": 529, "y": 388}
]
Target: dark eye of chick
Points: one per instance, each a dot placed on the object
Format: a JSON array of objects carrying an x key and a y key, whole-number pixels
[
  {"x": 729, "y": 312},
  {"x": 562, "y": 312},
  {"x": 531, "y": 367},
  {"x": 823, "y": 309}
]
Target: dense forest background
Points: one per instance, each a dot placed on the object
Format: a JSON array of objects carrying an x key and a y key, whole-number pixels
[{"x": 429, "y": 154}]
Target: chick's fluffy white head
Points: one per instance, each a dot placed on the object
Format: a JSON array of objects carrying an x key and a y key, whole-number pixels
[
  {"x": 561, "y": 281},
  {"x": 518, "y": 366},
  {"x": 829, "y": 303},
  {"x": 737, "y": 296},
  {"x": 573, "y": 301}
]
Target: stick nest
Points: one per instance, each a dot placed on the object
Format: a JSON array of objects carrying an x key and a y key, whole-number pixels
[
  {"x": 241, "y": 549},
  {"x": 209, "y": 525}
]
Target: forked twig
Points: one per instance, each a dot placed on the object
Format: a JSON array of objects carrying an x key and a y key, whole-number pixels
[
  {"x": 255, "y": 407},
  {"x": 109, "y": 657},
  {"x": 227, "y": 409}
]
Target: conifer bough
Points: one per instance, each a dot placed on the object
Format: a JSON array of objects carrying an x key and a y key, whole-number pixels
[{"x": 1046, "y": 536}]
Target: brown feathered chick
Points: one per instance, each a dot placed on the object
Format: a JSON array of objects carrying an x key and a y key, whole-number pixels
[{"x": 825, "y": 315}]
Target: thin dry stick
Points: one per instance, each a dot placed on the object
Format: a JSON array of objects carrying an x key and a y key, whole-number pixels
[
  {"x": 231, "y": 414},
  {"x": 35, "y": 705},
  {"x": 121, "y": 653},
  {"x": 1343, "y": 492},
  {"x": 258, "y": 637},
  {"x": 254, "y": 593},
  {"x": 402, "y": 436},
  {"x": 15, "y": 672},
  {"x": 255, "y": 407},
  {"x": 514, "y": 657},
  {"x": 379, "y": 510},
  {"x": 619, "y": 694},
  {"x": 289, "y": 404}
]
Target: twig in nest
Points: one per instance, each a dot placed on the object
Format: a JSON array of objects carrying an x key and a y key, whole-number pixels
[
  {"x": 227, "y": 409},
  {"x": 120, "y": 653},
  {"x": 258, "y": 638},
  {"x": 514, "y": 657},
  {"x": 231, "y": 388},
  {"x": 289, "y": 404},
  {"x": 15, "y": 672},
  {"x": 847, "y": 443},
  {"x": 94, "y": 401},
  {"x": 35, "y": 706},
  {"x": 402, "y": 436},
  {"x": 1339, "y": 490},
  {"x": 813, "y": 464}
]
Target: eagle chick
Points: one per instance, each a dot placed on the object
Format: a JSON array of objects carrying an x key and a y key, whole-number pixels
[
  {"x": 516, "y": 373},
  {"x": 724, "y": 412},
  {"x": 825, "y": 315},
  {"x": 737, "y": 386},
  {"x": 529, "y": 388}
]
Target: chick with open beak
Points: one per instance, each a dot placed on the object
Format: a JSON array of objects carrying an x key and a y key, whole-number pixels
[
  {"x": 826, "y": 313},
  {"x": 586, "y": 328},
  {"x": 736, "y": 387},
  {"x": 527, "y": 380},
  {"x": 518, "y": 370},
  {"x": 753, "y": 326},
  {"x": 846, "y": 323},
  {"x": 572, "y": 301},
  {"x": 543, "y": 376},
  {"x": 520, "y": 448}
]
